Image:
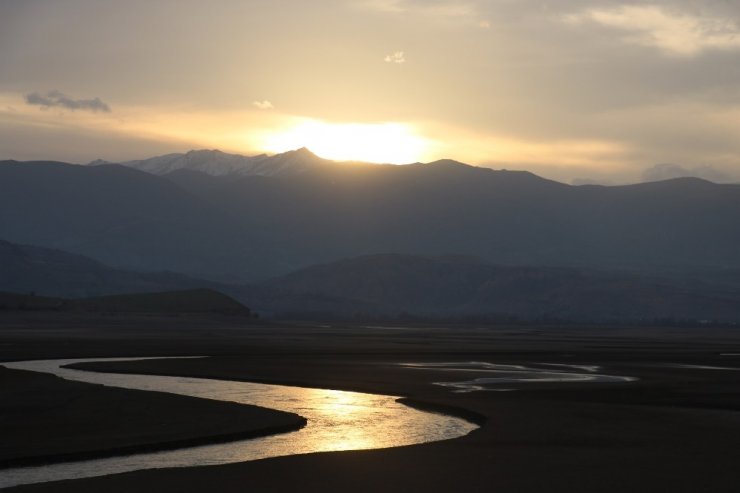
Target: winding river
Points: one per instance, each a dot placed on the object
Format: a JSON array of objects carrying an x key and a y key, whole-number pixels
[{"x": 337, "y": 420}]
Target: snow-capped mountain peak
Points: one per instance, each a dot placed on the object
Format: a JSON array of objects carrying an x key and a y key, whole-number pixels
[{"x": 218, "y": 163}]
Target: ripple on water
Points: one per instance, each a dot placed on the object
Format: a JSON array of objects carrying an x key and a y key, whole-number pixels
[{"x": 503, "y": 375}]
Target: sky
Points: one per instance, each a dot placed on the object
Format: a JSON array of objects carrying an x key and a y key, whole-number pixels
[{"x": 579, "y": 91}]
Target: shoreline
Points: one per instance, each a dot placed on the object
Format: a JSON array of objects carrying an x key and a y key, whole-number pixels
[
  {"x": 45, "y": 460},
  {"x": 415, "y": 403},
  {"x": 41, "y": 460},
  {"x": 676, "y": 429},
  {"x": 54, "y": 414}
]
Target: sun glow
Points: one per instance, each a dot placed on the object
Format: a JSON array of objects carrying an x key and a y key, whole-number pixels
[{"x": 392, "y": 143}]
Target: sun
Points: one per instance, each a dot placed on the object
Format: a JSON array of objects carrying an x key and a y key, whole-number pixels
[{"x": 391, "y": 143}]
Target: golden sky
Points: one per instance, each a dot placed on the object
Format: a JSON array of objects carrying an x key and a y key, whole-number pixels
[{"x": 572, "y": 90}]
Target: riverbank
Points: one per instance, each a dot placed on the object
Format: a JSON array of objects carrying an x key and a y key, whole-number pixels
[
  {"x": 676, "y": 429},
  {"x": 45, "y": 419}
]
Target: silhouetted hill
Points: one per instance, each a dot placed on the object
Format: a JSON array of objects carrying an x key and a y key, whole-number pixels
[
  {"x": 188, "y": 301},
  {"x": 44, "y": 271},
  {"x": 453, "y": 287},
  {"x": 124, "y": 218},
  {"x": 38, "y": 278},
  {"x": 21, "y": 301},
  {"x": 377, "y": 286},
  {"x": 505, "y": 217}
]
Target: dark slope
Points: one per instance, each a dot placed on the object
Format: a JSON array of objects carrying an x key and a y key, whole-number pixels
[
  {"x": 28, "y": 301},
  {"x": 452, "y": 286},
  {"x": 165, "y": 302},
  {"x": 679, "y": 222},
  {"x": 188, "y": 301},
  {"x": 123, "y": 217},
  {"x": 513, "y": 218},
  {"x": 375, "y": 286},
  {"x": 36, "y": 278},
  {"x": 246, "y": 228},
  {"x": 433, "y": 208},
  {"x": 44, "y": 271}
]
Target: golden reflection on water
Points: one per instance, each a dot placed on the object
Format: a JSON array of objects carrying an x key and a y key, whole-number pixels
[
  {"x": 337, "y": 420},
  {"x": 346, "y": 414},
  {"x": 342, "y": 403},
  {"x": 349, "y": 440}
]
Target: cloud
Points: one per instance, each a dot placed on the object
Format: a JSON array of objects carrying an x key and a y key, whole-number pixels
[
  {"x": 674, "y": 33},
  {"x": 263, "y": 105},
  {"x": 667, "y": 171},
  {"x": 55, "y": 99},
  {"x": 397, "y": 57}
]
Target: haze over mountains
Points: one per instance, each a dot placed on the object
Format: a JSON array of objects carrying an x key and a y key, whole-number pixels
[
  {"x": 217, "y": 163},
  {"x": 452, "y": 286},
  {"x": 234, "y": 220},
  {"x": 389, "y": 286},
  {"x": 48, "y": 272}
]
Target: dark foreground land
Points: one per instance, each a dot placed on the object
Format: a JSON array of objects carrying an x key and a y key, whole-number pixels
[
  {"x": 46, "y": 419},
  {"x": 677, "y": 429}
]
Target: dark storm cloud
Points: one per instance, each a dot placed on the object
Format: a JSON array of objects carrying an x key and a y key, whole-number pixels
[{"x": 55, "y": 99}]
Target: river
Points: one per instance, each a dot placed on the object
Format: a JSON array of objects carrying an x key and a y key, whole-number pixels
[{"x": 337, "y": 420}]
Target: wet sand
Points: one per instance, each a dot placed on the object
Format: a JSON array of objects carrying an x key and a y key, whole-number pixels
[{"x": 675, "y": 429}]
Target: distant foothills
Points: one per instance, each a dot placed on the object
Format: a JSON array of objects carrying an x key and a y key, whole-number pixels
[{"x": 294, "y": 235}]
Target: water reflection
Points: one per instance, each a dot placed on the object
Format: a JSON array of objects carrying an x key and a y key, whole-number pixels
[
  {"x": 501, "y": 376},
  {"x": 337, "y": 420}
]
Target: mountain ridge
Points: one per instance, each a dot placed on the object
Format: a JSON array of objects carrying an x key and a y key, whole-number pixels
[
  {"x": 431, "y": 286},
  {"x": 294, "y": 162},
  {"x": 215, "y": 162},
  {"x": 218, "y": 163},
  {"x": 237, "y": 229},
  {"x": 380, "y": 286}
]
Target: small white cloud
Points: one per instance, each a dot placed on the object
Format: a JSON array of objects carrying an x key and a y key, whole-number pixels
[
  {"x": 397, "y": 57},
  {"x": 263, "y": 105},
  {"x": 673, "y": 33}
]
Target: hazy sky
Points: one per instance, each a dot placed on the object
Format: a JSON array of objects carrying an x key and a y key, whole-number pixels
[{"x": 570, "y": 89}]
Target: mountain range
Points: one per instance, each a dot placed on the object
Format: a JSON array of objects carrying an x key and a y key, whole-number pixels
[
  {"x": 248, "y": 221},
  {"x": 217, "y": 163},
  {"x": 387, "y": 286}
]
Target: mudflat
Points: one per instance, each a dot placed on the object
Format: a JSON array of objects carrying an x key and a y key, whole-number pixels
[
  {"x": 676, "y": 428},
  {"x": 45, "y": 419}
]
